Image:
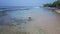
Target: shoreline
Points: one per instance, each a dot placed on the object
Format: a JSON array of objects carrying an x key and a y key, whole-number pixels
[{"x": 55, "y": 9}]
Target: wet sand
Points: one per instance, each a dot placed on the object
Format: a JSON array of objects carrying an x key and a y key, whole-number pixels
[
  {"x": 57, "y": 10},
  {"x": 43, "y": 23}
]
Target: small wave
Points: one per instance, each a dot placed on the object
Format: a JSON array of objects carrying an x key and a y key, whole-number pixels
[{"x": 13, "y": 9}]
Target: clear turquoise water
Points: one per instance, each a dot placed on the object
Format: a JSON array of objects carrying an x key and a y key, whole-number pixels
[{"x": 25, "y": 13}]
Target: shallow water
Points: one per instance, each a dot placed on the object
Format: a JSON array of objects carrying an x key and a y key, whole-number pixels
[{"x": 44, "y": 21}]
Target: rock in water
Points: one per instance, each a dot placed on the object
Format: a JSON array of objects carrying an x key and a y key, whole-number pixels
[{"x": 29, "y": 19}]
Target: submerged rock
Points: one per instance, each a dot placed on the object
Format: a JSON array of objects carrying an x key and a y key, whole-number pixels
[{"x": 29, "y": 18}]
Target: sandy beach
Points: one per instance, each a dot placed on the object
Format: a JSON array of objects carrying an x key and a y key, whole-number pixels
[{"x": 57, "y": 10}]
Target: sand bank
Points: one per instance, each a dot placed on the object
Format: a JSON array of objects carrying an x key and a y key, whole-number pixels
[{"x": 57, "y": 10}]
